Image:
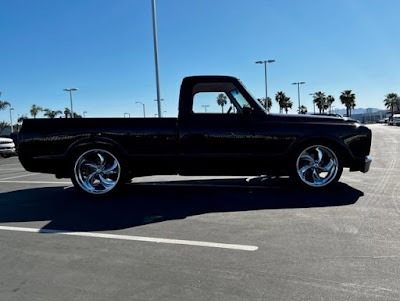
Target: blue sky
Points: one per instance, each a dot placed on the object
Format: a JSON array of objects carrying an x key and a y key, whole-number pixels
[{"x": 105, "y": 48}]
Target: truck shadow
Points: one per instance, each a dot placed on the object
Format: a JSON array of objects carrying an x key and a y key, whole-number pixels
[{"x": 145, "y": 203}]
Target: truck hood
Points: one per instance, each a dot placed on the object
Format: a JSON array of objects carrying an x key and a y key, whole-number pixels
[{"x": 312, "y": 118}]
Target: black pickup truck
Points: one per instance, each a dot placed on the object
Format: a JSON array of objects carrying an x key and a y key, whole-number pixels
[{"x": 100, "y": 154}]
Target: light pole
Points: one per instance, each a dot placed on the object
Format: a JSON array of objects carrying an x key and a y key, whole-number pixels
[
  {"x": 312, "y": 94},
  {"x": 205, "y": 108},
  {"x": 153, "y": 5},
  {"x": 12, "y": 129},
  {"x": 84, "y": 114},
  {"x": 298, "y": 90},
  {"x": 70, "y": 97},
  {"x": 127, "y": 114},
  {"x": 266, "y": 84},
  {"x": 144, "y": 108}
]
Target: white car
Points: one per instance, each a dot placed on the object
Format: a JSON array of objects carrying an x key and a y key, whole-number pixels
[{"x": 7, "y": 147}]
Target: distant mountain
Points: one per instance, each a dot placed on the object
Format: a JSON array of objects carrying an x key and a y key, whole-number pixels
[{"x": 356, "y": 111}]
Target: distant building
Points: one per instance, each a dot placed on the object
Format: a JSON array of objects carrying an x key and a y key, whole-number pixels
[{"x": 371, "y": 117}]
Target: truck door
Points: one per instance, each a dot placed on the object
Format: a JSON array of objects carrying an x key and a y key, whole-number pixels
[{"x": 216, "y": 133}]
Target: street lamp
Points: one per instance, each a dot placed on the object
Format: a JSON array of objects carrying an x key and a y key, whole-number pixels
[
  {"x": 298, "y": 90},
  {"x": 70, "y": 97},
  {"x": 144, "y": 108},
  {"x": 266, "y": 85},
  {"x": 205, "y": 108},
  {"x": 153, "y": 5},
  {"x": 12, "y": 129},
  {"x": 127, "y": 114},
  {"x": 84, "y": 114}
]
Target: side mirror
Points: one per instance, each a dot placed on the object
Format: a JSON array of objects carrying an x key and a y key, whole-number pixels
[{"x": 247, "y": 111}]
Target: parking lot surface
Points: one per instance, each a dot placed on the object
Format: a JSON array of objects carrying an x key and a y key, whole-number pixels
[{"x": 204, "y": 238}]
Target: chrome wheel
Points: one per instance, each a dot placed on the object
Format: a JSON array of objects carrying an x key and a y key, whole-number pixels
[
  {"x": 317, "y": 166},
  {"x": 97, "y": 171}
]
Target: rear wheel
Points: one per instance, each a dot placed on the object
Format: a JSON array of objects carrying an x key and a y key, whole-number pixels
[
  {"x": 97, "y": 171},
  {"x": 317, "y": 166}
]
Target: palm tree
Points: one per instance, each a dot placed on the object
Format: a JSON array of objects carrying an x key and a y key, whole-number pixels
[
  {"x": 3, "y": 125},
  {"x": 4, "y": 104},
  {"x": 51, "y": 114},
  {"x": 321, "y": 101},
  {"x": 67, "y": 112},
  {"x": 22, "y": 118},
  {"x": 330, "y": 99},
  {"x": 221, "y": 101},
  {"x": 262, "y": 102},
  {"x": 35, "y": 110},
  {"x": 391, "y": 101},
  {"x": 302, "y": 110},
  {"x": 287, "y": 104},
  {"x": 348, "y": 98},
  {"x": 281, "y": 97}
]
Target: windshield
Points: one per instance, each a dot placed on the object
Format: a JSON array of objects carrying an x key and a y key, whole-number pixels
[
  {"x": 255, "y": 99},
  {"x": 241, "y": 101}
]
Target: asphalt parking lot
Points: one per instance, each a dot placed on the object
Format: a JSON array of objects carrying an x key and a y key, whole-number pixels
[{"x": 198, "y": 238}]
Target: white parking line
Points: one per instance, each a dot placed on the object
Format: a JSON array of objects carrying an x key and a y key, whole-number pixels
[
  {"x": 10, "y": 164},
  {"x": 31, "y": 174},
  {"x": 9, "y": 169},
  {"x": 136, "y": 238},
  {"x": 35, "y": 182}
]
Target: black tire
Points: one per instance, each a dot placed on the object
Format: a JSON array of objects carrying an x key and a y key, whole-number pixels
[
  {"x": 316, "y": 166},
  {"x": 97, "y": 171}
]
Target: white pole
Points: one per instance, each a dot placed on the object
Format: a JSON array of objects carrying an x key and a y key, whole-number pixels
[
  {"x": 12, "y": 129},
  {"x": 153, "y": 2}
]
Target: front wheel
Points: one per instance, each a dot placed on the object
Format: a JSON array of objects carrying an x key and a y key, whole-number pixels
[
  {"x": 97, "y": 172},
  {"x": 317, "y": 166}
]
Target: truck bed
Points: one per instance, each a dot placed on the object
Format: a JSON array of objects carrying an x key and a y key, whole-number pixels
[{"x": 144, "y": 139}]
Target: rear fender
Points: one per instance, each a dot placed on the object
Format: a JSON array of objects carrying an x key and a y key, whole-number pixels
[{"x": 96, "y": 141}]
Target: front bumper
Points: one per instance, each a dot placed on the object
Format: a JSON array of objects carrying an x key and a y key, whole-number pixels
[
  {"x": 361, "y": 164},
  {"x": 7, "y": 152},
  {"x": 367, "y": 164}
]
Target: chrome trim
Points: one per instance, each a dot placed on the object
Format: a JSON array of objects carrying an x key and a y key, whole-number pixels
[
  {"x": 97, "y": 171},
  {"x": 317, "y": 166}
]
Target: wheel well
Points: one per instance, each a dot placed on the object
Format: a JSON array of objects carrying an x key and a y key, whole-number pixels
[
  {"x": 341, "y": 150},
  {"x": 94, "y": 143}
]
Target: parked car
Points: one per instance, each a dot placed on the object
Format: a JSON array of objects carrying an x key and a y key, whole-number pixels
[
  {"x": 7, "y": 147},
  {"x": 396, "y": 119},
  {"x": 100, "y": 154}
]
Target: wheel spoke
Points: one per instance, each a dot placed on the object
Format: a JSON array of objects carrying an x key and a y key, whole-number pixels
[
  {"x": 320, "y": 155},
  {"x": 304, "y": 169},
  {"x": 89, "y": 179},
  {"x": 89, "y": 164},
  {"x": 316, "y": 177},
  {"x": 328, "y": 166},
  {"x": 106, "y": 183},
  {"x": 111, "y": 170},
  {"x": 101, "y": 159},
  {"x": 307, "y": 157}
]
